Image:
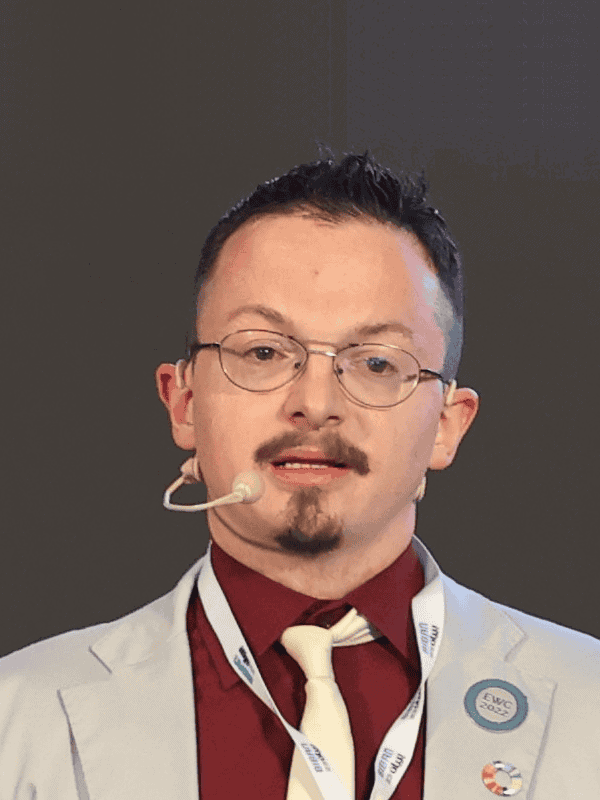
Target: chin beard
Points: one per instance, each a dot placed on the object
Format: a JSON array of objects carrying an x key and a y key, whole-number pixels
[{"x": 307, "y": 530}]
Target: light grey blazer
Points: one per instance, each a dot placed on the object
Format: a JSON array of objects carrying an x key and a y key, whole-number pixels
[{"x": 107, "y": 712}]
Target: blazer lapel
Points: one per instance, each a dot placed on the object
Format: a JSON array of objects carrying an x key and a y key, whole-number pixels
[
  {"x": 482, "y": 706},
  {"x": 135, "y": 732}
]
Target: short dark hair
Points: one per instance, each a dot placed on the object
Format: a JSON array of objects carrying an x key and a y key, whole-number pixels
[{"x": 356, "y": 187}]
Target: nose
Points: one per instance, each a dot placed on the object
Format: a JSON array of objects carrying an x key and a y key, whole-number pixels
[{"x": 316, "y": 396}]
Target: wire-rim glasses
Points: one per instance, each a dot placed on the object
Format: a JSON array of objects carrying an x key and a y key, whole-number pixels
[{"x": 372, "y": 374}]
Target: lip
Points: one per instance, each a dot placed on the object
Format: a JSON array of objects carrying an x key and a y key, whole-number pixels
[
  {"x": 303, "y": 454},
  {"x": 308, "y": 476}
]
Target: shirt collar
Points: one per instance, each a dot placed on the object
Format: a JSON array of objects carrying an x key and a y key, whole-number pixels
[{"x": 264, "y": 608}]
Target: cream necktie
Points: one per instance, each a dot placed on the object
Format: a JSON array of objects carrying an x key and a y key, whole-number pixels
[{"x": 325, "y": 719}]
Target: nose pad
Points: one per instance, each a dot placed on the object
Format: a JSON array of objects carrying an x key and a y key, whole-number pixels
[
  {"x": 315, "y": 376},
  {"x": 318, "y": 352}
]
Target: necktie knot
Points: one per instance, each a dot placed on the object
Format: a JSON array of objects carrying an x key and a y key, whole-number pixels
[{"x": 311, "y": 647}]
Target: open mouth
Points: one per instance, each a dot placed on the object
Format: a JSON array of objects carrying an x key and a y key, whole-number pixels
[
  {"x": 305, "y": 464},
  {"x": 308, "y": 473}
]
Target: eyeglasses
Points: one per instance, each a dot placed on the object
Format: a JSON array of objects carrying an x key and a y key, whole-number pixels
[{"x": 377, "y": 375}]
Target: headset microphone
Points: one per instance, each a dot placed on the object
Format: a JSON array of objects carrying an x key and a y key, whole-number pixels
[{"x": 247, "y": 487}]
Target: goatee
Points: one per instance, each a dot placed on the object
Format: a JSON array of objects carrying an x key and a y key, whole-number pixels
[{"x": 307, "y": 531}]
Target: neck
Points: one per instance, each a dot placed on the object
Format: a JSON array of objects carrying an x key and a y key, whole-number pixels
[{"x": 328, "y": 576}]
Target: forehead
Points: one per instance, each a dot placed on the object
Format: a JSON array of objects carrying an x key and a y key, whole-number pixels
[{"x": 325, "y": 278}]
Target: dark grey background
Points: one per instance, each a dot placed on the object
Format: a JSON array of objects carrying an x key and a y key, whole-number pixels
[{"x": 128, "y": 128}]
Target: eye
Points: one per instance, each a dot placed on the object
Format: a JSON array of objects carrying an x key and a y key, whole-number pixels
[
  {"x": 379, "y": 366},
  {"x": 261, "y": 353}
]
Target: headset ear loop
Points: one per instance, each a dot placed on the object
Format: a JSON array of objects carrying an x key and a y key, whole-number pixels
[
  {"x": 180, "y": 373},
  {"x": 196, "y": 469},
  {"x": 190, "y": 472},
  {"x": 450, "y": 395}
]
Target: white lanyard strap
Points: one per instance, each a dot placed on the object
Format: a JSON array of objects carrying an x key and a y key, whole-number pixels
[{"x": 396, "y": 750}]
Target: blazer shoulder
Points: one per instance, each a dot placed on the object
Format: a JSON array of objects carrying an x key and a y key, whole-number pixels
[
  {"x": 68, "y": 658},
  {"x": 87, "y": 653},
  {"x": 60, "y": 656},
  {"x": 566, "y": 652},
  {"x": 574, "y": 652}
]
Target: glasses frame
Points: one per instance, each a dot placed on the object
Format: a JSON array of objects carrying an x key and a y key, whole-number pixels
[{"x": 424, "y": 374}]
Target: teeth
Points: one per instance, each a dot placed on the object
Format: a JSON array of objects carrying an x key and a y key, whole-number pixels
[{"x": 303, "y": 465}]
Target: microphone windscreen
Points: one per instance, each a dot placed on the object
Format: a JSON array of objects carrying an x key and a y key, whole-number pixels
[{"x": 250, "y": 484}]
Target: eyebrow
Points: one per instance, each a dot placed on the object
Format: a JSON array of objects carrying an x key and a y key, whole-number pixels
[{"x": 364, "y": 330}]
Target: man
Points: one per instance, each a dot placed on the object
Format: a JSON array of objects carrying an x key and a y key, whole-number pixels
[{"x": 325, "y": 344}]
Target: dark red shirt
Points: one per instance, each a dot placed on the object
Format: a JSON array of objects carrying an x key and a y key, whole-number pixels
[{"x": 243, "y": 749}]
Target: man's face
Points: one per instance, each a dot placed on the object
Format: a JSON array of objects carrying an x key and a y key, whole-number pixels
[{"x": 326, "y": 281}]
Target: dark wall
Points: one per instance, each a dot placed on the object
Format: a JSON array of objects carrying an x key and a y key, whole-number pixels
[
  {"x": 498, "y": 102},
  {"x": 128, "y": 129}
]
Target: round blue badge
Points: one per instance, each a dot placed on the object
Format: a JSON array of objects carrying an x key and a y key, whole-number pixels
[{"x": 496, "y": 705}]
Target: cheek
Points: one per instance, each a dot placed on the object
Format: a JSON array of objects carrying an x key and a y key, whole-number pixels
[
  {"x": 214, "y": 404},
  {"x": 216, "y": 432},
  {"x": 229, "y": 426},
  {"x": 410, "y": 442}
]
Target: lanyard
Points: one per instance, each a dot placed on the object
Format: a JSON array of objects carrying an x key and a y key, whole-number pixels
[{"x": 397, "y": 748}]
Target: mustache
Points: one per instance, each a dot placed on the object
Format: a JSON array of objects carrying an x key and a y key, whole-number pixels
[{"x": 332, "y": 445}]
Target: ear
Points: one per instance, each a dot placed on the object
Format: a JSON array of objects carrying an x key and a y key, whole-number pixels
[
  {"x": 178, "y": 400},
  {"x": 455, "y": 421}
]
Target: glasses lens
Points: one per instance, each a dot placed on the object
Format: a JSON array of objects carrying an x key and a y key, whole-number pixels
[
  {"x": 260, "y": 361},
  {"x": 378, "y": 375}
]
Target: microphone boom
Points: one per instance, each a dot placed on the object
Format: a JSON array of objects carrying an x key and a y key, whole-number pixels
[{"x": 247, "y": 487}]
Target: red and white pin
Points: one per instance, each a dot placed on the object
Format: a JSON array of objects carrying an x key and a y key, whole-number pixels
[{"x": 489, "y": 774}]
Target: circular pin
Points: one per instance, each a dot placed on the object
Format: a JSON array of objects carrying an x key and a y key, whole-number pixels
[
  {"x": 496, "y": 705},
  {"x": 488, "y": 775}
]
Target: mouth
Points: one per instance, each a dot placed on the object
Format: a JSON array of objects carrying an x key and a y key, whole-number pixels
[{"x": 301, "y": 472}]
